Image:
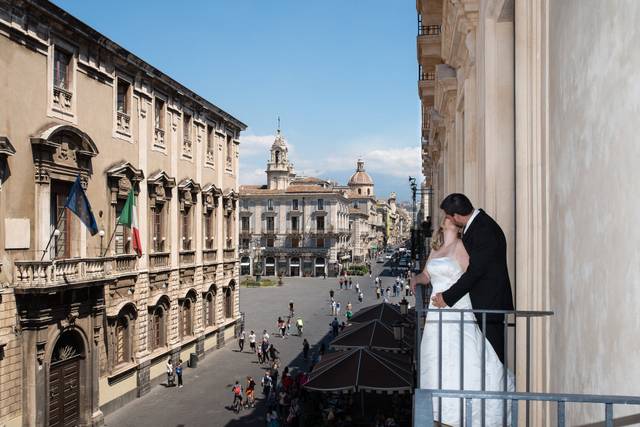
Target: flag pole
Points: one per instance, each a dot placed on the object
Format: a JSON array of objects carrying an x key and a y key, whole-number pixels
[
  {"x": 111, "y": 238},
  {"x": 52, "y": 233}
]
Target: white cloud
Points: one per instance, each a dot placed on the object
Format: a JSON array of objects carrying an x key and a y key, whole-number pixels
[
  {"x": 251, "y": 145},
  {"x": 249, "y": 176}
]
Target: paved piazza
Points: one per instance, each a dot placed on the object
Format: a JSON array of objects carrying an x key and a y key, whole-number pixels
[{"x": 207, "y": 389}]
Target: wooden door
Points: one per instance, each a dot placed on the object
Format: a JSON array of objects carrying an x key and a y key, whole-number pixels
[{"x": 64, "y": 393}]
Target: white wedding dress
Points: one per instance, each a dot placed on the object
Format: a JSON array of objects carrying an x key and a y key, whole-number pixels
[{"x": 444, "y": 272}]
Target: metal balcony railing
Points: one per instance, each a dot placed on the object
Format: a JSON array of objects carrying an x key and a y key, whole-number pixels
[
  {"x": 423, "y": 399},
  {"x": 430, "y": 76},
  {"x": 429, "y": 30}
]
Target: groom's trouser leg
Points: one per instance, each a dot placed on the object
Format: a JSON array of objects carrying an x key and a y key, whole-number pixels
[{"x": 494, "y": 333}]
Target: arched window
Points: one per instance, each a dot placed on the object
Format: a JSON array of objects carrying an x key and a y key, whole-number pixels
[
  {"x": 209, "y": 309},
  {"x": 228, "y": 302},
  {"x": 368, "y": 191},
  {"x": 123, "y": 341},
  {"x": 186, "y": 318},
  {"x": 359, "y": 190},
  {"x": 158, "y": 325},
  {"x": 122, "y": 336}
]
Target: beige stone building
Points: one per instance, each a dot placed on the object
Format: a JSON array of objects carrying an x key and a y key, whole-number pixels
[
  {"x": 292, "y": 226},
  {"x": 529, "y": 107},
  {"x": 367, "y": 234},
  {"x": 86, "y": 325}
]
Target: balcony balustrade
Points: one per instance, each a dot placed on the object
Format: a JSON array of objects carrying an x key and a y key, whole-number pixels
[
  {"x": 429, "y": 48},
  {"x": 62, "y": 99},
  {"x": 61, "y": 272},
  {"x": 229, "y": 254},
  {"x": 187, "y": 257},
  {"x": 159, "y": 260},
  {"x": 209, "y": 255}
]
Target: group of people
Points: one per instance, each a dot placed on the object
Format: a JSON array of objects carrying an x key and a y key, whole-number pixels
[{"x": 174, "y": 369}]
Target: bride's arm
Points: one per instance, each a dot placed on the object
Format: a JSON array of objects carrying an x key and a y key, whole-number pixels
[{"x": 421, "y": 278}]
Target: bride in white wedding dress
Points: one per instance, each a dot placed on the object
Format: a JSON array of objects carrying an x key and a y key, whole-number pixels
[{"x": 447, "y": 262}]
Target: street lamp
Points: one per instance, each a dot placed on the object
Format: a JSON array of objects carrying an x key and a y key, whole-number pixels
[{"x": 404, "y": 306}]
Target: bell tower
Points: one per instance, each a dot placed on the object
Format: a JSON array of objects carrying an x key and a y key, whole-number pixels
[{"x": 279, "y": 170}]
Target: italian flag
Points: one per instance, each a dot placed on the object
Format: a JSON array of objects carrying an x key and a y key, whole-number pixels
[{"x": 129, "y": 218}]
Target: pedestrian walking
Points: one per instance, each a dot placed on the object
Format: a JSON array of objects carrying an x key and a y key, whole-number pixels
[
  {"x": 350, "y": 283},
  {"x": 340, "y": 282},
  {"x": 337, "y": 309},
  {"x": 333, "y": 307},
  {"x": 170, "y": 381},
  {"x": 265, "y": 336},
  {"x": 179, "y": 372},
  {"x": 378, "y": 293},
  {"x": 265, "y": 350},
  {"x": 331, "y": 293},
  {"x": 266, "y": 383},
  {"x": 357, "y": 287},
  {"x": 334, "y": 326},
  {"x": 252, "y": 341},
  {"x": 407, "y": 290},
  {"x": 305, "y": 349},
  {"x": 241, "y": 338},
  {"x": 360, "y": 296},
  {"x": 260, "y": 355},
  {"x": 348, "y": 315},
  {"x": 349, "y": 306}
]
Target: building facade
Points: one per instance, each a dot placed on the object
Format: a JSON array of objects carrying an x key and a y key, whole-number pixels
[
  {"x": 367, "y": 227},
  {"x": 85, "y": 324},
  {"x": 528, "y": 108},
  {"x": 293, "y": 226}
]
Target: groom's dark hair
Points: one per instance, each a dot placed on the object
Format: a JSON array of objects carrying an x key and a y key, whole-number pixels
[{"x": 456, "y": 203}]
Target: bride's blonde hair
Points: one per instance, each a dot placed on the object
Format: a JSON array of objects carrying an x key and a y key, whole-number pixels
[{"x": 437, "y": 240}]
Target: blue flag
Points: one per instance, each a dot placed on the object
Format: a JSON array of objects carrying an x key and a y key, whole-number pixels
[{"x": 78, "y": 203}]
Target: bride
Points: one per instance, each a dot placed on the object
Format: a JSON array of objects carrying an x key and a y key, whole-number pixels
[{"x": 446, "y": 263}]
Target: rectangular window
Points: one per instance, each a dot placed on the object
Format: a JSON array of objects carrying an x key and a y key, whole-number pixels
[
  {"x": 158, "y": 227},
  {"x": 320, "y": 204},
  {"x": 186, "y": 127},
  {"x": 245, "y": 224},
  {"x": 244, "y": 244},
  {"x": 210, "y": 140},
  {"x": 208, "y": 230},
  {"x": 245, "y": 203},
  {"x": 123, "y": 234},
  {"x": 186, "y": 229},
  {"x": 61, "y": 69},
  {"x": 295, "y": 242},
  {"x": 294, "y": 204},
  {"x": 270, "y": 224},
  {"x": 62, "y": 220},
  {"x": 320, "y": 243},
  {"x": 270, "y": 243},
  {"x": 159, "y": 113},
  {"x": 294, "y": 224},
  {"x": 229, "y": 231},
  {"x": 122, "y": 102},
  {"x": 320, "y": 224},
  {"x": 229, "y": 150},
  {"x": 269, "y": 204}
]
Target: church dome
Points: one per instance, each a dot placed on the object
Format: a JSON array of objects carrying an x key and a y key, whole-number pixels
[{"x": 360, "y": 177}]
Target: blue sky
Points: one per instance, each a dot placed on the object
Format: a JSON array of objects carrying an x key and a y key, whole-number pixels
[{"x": 341, "y": 74}]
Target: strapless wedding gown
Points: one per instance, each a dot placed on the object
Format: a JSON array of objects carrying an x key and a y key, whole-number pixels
[{"x": 444, "y": 272}]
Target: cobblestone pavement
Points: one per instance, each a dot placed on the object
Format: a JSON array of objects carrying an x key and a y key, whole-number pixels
[{"x": 207, "y": 389}]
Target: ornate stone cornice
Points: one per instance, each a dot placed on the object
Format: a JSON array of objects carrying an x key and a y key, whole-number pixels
[{"x": 460, "y": 17}]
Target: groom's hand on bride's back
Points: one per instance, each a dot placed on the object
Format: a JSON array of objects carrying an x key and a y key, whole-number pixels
[{"x": 438, "y": 301}]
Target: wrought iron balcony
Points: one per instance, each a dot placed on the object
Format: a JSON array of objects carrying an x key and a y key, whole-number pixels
[{"x": 429, "y": 42}]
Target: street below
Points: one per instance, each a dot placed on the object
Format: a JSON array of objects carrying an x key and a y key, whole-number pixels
[{"x": 206, "y": 395}]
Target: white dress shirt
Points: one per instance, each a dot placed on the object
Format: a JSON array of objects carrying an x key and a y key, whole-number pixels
[{"x": 473, "y": 216}]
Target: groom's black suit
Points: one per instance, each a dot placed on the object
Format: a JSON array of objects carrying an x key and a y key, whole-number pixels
[{"x": 486, "y": 279}]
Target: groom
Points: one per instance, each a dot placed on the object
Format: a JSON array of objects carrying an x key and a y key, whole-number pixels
[{"x": 486, "y": 279}]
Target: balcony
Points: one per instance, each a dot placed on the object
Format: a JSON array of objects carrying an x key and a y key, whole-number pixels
[
  {"x": 159, "y": 260},
  {"x": 123, "y": 123},
  {"x": 209, "y": 256},
  {"x": 426, "y": 84},
  {"x": 229, "y": 254},
  {"x": 158, "y": 139},
  {"x": 62, "y": 99},
  {"x": 49, "y": 275},
  {"x": 124, "y": 264},
  {"x": 429, "y": 44},
  {"x": 187, "y": 257}
]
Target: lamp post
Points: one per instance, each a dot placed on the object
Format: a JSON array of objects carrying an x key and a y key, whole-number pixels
[
  {"x": 404, "y": 307},
  {"x": 258, "y": 252}
]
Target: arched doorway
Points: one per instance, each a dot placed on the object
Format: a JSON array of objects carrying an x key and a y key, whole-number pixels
[
  {"x": 64, "y": 380},
  {"x": 294, "y": 267},
  {"x": 320, "y": 266},
  {"x": 270, "y": 266}
]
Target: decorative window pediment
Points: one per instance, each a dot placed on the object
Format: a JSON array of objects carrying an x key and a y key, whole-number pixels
[
  {"x": 187, "y": 192},
  {"x": 62, "y": 152},
  {"x": 121, "y": 177},
  {"x": 6, "y": 150},
  {"x": 229, "y": 200},
  {"x": 210, "y": 196},
  {"x": 160, "y": 186}
]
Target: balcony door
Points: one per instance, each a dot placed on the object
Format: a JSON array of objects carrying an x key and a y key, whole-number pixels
[{"x": 62, "y": 220}]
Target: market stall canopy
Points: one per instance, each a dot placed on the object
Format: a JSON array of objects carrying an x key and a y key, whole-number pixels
[
  {"x": 362, "y": 369},
  {"x": 373, "y": 334},
  {"x": 385, "y": 312}
]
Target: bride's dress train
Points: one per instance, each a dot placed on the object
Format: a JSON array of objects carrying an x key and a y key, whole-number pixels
[{"x": 444, "y": 272}]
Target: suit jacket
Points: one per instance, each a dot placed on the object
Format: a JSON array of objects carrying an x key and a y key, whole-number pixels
[{"x": 487, "y": 278}]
